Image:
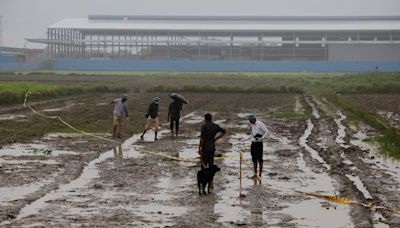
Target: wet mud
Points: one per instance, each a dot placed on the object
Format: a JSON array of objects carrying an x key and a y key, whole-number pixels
[{"x": 65, "y": 180}]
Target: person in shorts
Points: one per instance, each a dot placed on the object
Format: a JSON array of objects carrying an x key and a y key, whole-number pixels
[
  {"x": 120, "y": 108},
  {"x": 152, "y": 118},
  {"x": 258, "y": 133}
]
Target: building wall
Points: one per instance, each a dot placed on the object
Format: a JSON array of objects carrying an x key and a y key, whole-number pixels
[
  {"x": 224, "y": 66},
  {"x": 363, "y": 52}
]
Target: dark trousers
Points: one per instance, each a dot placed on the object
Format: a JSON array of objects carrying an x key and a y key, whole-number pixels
[
  {"x": 257, "y": 152},
  {"x": 174, "y": 119}
]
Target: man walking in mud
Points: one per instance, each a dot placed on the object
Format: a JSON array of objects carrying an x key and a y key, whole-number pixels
[
  {"x": 152, "y": 118},
  {"x": 174, "y": 113},
  {"x": 258, "y": 133},
  {"x": 120, "y": 107},
  {"x": 209, "y": 135}
]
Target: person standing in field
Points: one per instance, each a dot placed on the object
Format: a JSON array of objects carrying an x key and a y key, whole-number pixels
[
  {"x": 152, "y": 118},
  {"x": 258, "y": 133},
  {"x": 120, "y": 108},
  {"x": 209, "y": 135},
  {"x": 174, "y": 113}
]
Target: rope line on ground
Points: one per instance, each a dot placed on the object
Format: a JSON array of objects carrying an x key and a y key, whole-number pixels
[
  {"x": 65, "y": 123},
  {"x": 334, "y": 198},
  {"x": 331, "y": 198},
  {"x": 190, "y": 159}
]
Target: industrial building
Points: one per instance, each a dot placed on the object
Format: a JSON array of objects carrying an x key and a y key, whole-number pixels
[{"x": 225, "y": 38}]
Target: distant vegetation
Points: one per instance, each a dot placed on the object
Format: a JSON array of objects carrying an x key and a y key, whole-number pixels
[
  {"x": 14, "y": 92},
  {"x": 225, "y": 89}
]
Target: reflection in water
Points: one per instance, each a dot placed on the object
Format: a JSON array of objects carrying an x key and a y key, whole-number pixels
[
  {"x": 118, "y": 154},
  {"x": 256, "y": 216}
]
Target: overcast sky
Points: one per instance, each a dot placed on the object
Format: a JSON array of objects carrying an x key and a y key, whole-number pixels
[{"x": 29, "y": 18}]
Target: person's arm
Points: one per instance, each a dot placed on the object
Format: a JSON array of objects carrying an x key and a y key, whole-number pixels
[
  {"x": 222, "y": 134},
  {"x": 201, "y": 141},
  {"x": 169, "y": 112},
  {"x": 265, "y": 130},
  {"x": 148, "y": 111},
  {"x": 126, "y": 112}
]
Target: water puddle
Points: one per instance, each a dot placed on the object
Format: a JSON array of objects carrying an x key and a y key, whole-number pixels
[
  {"x": 244, "y": 115},
  {"x": 311, "y": 213},
  {"x": 341, "y": 133},
  {"x": 393, "y": 118},
  {"x": 315, "y": 112},
  {"x": 303, "y": 143},
  {"x": 389, "y": 165},
  {"x": 11, "y": 117},
  {"x": 188, "y": 152},
  {"x": 89, "y": 173},
  {"x": 159, "y": 215},
  {"x": 170, "y": 187},
  {"x": 33, "y": 149},
  {"x": 52, "y": 110},
  {"x": 8, "y": 194},
  {"x": 359, "y": 185},
  {"x": 192, "y": 118}
]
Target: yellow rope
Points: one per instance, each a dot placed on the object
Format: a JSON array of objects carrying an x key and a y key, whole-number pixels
[
  {"x": 190, "y": 159},
  {"x": 330, "y": 198},
  {"x": 65, "y": 123}
]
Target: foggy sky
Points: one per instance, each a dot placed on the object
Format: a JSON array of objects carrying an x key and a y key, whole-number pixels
[{"x": 29, "y": 18}]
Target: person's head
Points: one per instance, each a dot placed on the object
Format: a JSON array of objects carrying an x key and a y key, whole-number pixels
[
  {"x": 124, "y": 98},
  {"x": 252, "y": 118},
  {"x": 156, "y": 100},
  {"x": 208, "y": 117}
]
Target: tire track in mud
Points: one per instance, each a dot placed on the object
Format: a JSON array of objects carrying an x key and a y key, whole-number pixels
[
  {"x": 353, "y": 174},
  {"x": 327, "y": 131},
  {"x": 360, "y": 169}
]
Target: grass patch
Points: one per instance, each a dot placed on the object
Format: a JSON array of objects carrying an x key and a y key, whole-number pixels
[
  {"x": 14, "y": 92},
  {"x": 389, "y": 140},
  {"x": 224, "y": 89}
]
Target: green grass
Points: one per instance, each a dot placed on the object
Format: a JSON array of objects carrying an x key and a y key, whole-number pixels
[
  {"x": 224, "y": 89},
  {"x": 389, "y": 140},
  {"x": 14, "y": 92}
]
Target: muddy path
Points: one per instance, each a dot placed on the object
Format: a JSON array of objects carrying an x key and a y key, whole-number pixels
[{"x": 321, "y": 153}]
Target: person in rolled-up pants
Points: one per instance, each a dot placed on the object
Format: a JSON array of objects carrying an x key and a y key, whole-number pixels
[
  {"x": 120, "y": 108},
  {"x": 153, "y": 121},
  {"x": 258, "y": 133}
]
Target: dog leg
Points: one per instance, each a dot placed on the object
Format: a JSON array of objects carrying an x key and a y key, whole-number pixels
[
  {"x": 204, "y": 189},
  {"x": 198, "y": 183}
]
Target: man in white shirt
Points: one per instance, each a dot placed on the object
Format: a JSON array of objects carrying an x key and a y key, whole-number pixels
[{"x": 258, "y": 133}]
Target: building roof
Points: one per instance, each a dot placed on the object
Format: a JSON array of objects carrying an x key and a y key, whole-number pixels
[{"x": 230, "y": 23}]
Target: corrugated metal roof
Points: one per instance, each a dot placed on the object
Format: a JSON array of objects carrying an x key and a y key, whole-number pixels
[{"x": 226, "y": 23}]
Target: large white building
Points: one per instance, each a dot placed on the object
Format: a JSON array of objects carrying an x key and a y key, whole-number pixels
[{"x": 225, "y": 38}]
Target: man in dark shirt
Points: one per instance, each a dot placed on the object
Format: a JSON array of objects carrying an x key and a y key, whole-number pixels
[
  {"x": 152, "y": 117},
  {"x": 174, "y": 113},
  {"x": 208, "y": 137}
]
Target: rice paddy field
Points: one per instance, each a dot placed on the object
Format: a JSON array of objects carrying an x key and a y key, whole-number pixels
[{"x": 331, "y": 134}]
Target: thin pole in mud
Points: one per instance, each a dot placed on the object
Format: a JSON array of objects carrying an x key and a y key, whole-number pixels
[{"x": 241, "y": 195}]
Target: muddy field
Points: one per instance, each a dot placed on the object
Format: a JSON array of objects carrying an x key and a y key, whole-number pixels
[{"x": 51, "y": 177}]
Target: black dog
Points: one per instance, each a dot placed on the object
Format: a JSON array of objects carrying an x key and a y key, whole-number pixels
[{"x": 205, "y": 176}]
